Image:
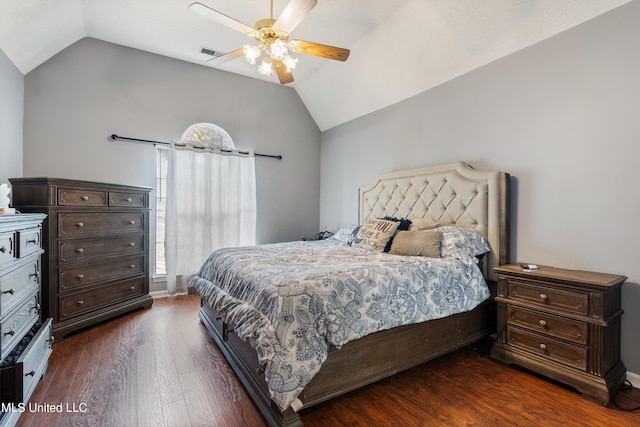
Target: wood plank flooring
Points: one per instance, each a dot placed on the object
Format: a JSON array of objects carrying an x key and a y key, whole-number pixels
[{"x": 158, "y": 367}]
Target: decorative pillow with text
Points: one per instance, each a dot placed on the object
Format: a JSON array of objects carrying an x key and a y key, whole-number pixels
[{"x": 374, "y": 234}]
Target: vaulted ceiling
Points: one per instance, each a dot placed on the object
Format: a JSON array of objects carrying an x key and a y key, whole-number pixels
[{"x": 399, "y": 48}]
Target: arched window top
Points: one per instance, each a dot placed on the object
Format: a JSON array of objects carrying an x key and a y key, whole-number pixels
[{"x": 207, "y": 135}]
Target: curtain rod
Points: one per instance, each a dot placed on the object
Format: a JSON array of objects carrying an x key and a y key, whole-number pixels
[{"x": 115, "y": 137}]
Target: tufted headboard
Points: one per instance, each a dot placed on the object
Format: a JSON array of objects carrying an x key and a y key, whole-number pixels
[{"x": 452, "y": 194}]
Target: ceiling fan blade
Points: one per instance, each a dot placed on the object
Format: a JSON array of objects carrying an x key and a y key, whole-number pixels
[
  {"x": 317, "y": 49},
  {"x": 281, "y": 70},
  {"x": 294, "y": 13},
  {"x": 221, "y": 18},
  {"x": 217, "y": 60}
]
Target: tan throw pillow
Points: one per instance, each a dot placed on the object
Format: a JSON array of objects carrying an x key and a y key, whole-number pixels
[
  {"x": 374, "y": 234},
  {"x": 423, "y": 224},
  {"x": 417, "y": 243}
]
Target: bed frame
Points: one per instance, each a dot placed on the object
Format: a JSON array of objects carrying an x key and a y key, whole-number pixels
[{"x": 452, "y": 194}]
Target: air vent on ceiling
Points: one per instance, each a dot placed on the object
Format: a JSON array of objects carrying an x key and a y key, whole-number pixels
[{"x": 213, "y": 53}]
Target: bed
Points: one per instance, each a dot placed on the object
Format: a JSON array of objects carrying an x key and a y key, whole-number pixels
[{"x": 304, "y": 322}]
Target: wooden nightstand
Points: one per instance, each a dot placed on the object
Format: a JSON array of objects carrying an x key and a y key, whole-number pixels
[{"x": 564, "y": 324}]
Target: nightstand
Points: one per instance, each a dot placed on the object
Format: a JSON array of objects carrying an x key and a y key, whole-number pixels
[{"x": 564, "y": 324}]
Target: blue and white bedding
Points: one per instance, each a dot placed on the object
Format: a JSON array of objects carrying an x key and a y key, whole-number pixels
[{"x": 291, "y": 301}]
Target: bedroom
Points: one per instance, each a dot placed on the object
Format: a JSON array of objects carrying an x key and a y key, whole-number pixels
[{"x": 559, "y": 116}]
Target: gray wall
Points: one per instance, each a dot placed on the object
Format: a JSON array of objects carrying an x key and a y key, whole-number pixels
[
  {"x": 11, "y": 107},
  {"x": 93, "y": 89},
  {"x": 560, "y": 116}
]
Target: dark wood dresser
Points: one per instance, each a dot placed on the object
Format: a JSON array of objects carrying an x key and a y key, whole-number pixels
[
  {"x": 96, "y": 240},
  {"x": 564, "y": 324},
  {"x": 25, "y": 337}
]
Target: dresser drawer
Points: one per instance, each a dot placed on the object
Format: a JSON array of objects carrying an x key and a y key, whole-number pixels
[
  {"x": 16, "y": 324},
  {"x": 559, "y": 327},
  {"x": 75, "y": 277},
  {"x": 35, "y": 359},
  {"x": 87, "y": 224},
  {"x": 18, "y": 283},
  {"x": 568, "y": 354},
  {"x": 87, "y": 249},
  {"x": 81, "y": 302},
  {"x": 27, "y": 364},
  {"x": 29, "y": 241},
  {"x": 573, "y": 302},
  {"x": 133, "y": 199},
  {"x": 75, "y": 197},
  {"x": 7, "y": 248}
]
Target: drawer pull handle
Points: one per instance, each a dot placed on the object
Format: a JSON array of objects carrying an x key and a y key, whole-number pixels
[
  {"x": 543, "y": 347},
  {"x": 543, "y": 297},
  {"x": 80, "y": 302},
  {"x": 3, "y": 249},
  {"x": 32, "y": 241},
  {"x": 133, "y": 288},
  {"x": 30, "y": 374},
  {"x": 542, "y": 323},
  {"x": 260, "y": 370},
  {"x": 10, "y": 291},
  {"x": 36, "y": 274},
  {"x": 80, "y": 276},
  {"x": 132, "y": 266},
  {"x": 131, "y": 244},
  {"x": 79, "y": 250},
  {"x": 11, "y": 332},
  {"x": 79, "y": 224},
  {"x": 128, "y": 199},
  {"x": 132, "y": 222},
  {"x": 36, "y": 307},
  {"x": 84, "y": 198}
]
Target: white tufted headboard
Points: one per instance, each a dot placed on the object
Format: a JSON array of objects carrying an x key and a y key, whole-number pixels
[{"x": 452, "y": 194}]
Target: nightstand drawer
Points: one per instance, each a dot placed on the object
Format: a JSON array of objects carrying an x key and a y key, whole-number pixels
[
  {"x": 558, "y": 327},
  {"x": 568, "y": 354},
  {"x": 573, "y": 302}
]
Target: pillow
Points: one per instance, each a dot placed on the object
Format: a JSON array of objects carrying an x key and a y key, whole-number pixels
[
  {"x": 343, "y": 234},
  {"x": 403, "y": 224},
  {"x": 374, "y": 234},
  {"x": 416, "y": 243},
  {"x": 462, "y": 243},
  {"x": 423, "y": 224}
]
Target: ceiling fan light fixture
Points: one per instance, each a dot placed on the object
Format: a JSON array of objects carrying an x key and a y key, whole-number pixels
[
  {"x": 251, "y": 53},
  {"x": 290, "y": 63},
  {"x": 277, "y": 49},
  {"x": 266, "y": 69}
]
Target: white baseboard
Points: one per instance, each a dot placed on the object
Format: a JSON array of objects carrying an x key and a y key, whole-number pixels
[
  {"x": 634, "y": 379},
  {"x": 165, "y": 294}
]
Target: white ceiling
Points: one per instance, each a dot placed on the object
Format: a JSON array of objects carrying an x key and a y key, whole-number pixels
[{"x": 399, "y": 48}]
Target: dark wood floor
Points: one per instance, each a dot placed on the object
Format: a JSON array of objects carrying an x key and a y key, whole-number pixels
[{"x": 158, "y": 367}]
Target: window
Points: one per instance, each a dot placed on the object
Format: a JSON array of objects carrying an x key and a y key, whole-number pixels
[{"x": 161, "y": 199}]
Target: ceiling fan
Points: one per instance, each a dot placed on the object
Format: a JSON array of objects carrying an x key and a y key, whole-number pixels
[{"x": 273, "y": 38}]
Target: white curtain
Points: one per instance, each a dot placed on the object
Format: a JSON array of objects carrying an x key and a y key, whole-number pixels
[{"x": 211, "y": 204}]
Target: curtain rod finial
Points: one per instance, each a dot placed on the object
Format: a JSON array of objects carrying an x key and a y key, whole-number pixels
[{"x": 114, "y": 136}]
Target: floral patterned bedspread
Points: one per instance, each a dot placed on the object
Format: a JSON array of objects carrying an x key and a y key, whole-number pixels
[{"x": 291, "y": 301}]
